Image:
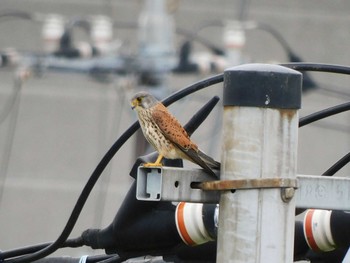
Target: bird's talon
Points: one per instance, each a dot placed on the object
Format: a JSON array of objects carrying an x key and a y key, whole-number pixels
[{"x": 152, "y": 165}]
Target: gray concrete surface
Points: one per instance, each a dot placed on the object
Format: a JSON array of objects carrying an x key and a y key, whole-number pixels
[{"x": 66, "y": 122}]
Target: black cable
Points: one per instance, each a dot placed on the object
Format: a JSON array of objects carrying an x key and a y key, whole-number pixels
[
  {"x": 99, "y": 169},
  {"x": 113, "y": 259},
  {"x": 330, "y": 172},
  {"x": 330, "y": 68},
  {"x": 191, "y": 35},
  {"x": 74, "y": 242},
  {"x": 279, "y": 38},
  {"x": 324, "y": 114},
  {"x": 338, "y": 165},
  {"x": 193, "y": 88}
]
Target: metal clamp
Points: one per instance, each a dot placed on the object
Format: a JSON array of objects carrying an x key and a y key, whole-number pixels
[
  {"x": 287, "y": 185},
  {"x": 239, "y": 184}
]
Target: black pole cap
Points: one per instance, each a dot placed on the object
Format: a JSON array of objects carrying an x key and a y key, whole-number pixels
[{"x": 262, "y": 85}]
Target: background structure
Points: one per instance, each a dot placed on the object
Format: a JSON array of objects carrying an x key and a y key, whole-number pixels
[{"x": 67, "y": 121}]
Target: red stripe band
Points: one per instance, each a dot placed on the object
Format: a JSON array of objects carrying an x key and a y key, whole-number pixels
[
  {"x": 308, "y": 230},
  {"x": 181, "y": 225}
]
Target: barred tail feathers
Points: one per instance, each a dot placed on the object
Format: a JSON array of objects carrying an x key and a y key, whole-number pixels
[{"x": 209, "y": 161}]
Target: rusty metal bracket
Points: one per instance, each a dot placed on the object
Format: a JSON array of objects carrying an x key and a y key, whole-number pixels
[
  {"x": 246, "y": 184},
  {"x": 287, "y": 185}
]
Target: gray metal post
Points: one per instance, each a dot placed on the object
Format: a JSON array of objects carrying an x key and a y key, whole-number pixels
[{"x": 259, "y": 141}]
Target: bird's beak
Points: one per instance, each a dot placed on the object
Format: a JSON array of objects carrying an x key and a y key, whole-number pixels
[{"x": 134, "y": 103}]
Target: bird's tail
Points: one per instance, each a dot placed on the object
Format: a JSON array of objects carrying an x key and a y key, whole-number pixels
[{"x": 209, "y": 161}]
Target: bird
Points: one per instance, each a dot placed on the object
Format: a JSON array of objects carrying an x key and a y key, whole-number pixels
[{"x": 165, "y": 133}]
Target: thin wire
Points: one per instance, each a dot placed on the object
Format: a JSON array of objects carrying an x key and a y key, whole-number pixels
[
  {"x": 11, "y": 102},
  {"x": 13, "y": 112},
  {"x": 16, "y": 14}
]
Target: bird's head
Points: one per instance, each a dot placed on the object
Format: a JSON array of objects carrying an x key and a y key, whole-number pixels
[{"x": 143, "y": 100}]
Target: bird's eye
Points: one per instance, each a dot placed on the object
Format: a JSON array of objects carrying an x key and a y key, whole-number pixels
[{"x": 139, "y": 99}]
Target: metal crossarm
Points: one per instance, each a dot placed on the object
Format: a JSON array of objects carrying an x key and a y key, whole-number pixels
[{"x": 194, "y": 185}]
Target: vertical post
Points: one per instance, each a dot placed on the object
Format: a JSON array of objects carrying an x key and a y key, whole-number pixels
[{"x": 259, "y": 141}]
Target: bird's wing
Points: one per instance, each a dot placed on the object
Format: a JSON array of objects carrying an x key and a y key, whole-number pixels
[
  {"x": 171, "y": 128},
  {"x": 174, "y": 132}
]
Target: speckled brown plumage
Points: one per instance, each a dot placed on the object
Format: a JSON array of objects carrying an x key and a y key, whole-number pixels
[{"x": 164, "y": 132}]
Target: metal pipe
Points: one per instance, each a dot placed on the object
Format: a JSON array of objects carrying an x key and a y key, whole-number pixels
[{"x": 260, "y": 133}]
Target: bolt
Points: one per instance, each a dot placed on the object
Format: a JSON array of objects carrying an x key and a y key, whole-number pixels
[{"x": 287, "y": 194}]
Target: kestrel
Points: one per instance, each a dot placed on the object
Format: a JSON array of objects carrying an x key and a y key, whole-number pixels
[{"x": 165, "y": 133}]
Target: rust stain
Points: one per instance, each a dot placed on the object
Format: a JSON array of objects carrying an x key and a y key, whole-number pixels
[{"x": 286, "y": 113}]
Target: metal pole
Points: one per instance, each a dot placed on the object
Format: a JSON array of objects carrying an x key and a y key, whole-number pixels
[{"x": 259, "y": 141}]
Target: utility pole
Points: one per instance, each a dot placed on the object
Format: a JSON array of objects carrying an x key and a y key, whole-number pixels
[{"x": 260, "y": 136}]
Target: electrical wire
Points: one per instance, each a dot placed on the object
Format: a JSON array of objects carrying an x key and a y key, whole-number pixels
[
  {"x": 99, "y": 169},
  {"x": 11, "y": 111},
  {"x": 11, "y": 101},
  {"x": 339, "y": 69},
  {"x": 330, "y": 172},
  {"x": 267, "y": 28},
  {"x": 324, "y": 114},
  {"x": 318, "y": 67},
  {"x": 338, "y": 165},
  {"x": 76, "y": 242},
  {"x": 16, "y": 14}
]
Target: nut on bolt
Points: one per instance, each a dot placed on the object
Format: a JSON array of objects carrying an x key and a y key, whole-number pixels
[{"x": 287, "y": 194}]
